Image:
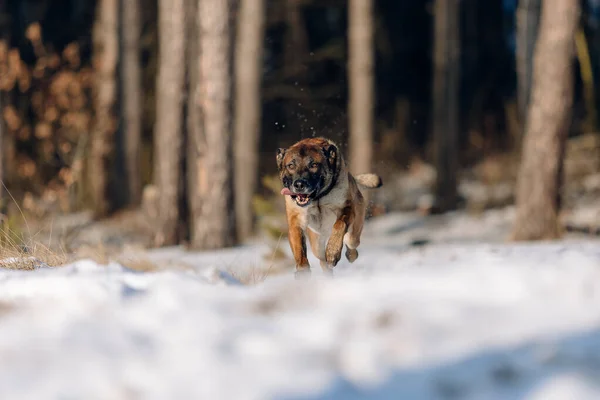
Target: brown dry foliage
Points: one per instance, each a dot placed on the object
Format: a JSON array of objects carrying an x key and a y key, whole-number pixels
[{"x": 49, "y": 109}]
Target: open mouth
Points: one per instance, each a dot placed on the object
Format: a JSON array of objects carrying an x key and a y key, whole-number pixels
[{"x": 302, "y": 199}]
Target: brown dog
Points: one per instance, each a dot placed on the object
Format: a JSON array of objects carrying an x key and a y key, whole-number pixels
[{"x": 323, "y": 201}]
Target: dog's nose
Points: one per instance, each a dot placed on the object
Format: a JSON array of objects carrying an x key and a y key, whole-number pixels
[{"x": 300, "y": 184}]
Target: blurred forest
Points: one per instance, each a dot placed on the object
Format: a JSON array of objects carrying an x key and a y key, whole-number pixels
[{"x": 163, "y": 116}]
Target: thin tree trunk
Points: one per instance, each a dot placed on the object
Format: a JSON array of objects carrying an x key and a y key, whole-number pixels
[
  {"x": 528, "y": 20},
  {"x": 248, "y": 105},
  {"x": 132, "y": 97},
  {"x": 193, "y": 115},
  {"x": 296, "y": 41},
  {"x": 106, "y": 51},
  {"x": 4, "y": 135},
  {"x": 446, "y": 87},
  {"x": 2, "y": 160},
  {"x": 214, "y": 221},
  {"x": 3, "y": 48},
  {"x": 548, "y": 121},
  {"x": 360, "y": 68},
  {"x": 169, "y": 106}
]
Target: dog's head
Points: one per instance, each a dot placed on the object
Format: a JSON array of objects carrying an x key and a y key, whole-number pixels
[{"x": 308, "y": 169}]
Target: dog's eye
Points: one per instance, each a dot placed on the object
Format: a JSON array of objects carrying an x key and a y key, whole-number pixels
[
  {"x": 314, "y": 165},
  {"x": 291, "y": 165}
]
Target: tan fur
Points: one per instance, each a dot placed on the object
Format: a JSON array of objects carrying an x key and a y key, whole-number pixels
[
  {"x": 331, "y": 221},
  {"x": 369, "y": 181}
]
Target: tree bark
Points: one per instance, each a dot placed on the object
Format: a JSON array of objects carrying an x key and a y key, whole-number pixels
[
  {"x": 248, "y": 105},
  {"x": 361, "y": 90},
  {"x": 548, "y": 121},
  {"x": 106, "y": 51},
  {"x": 528, "y": 20},
  {"x": 446, "y": 89},
  {"x": 4, "y": 134},
  {"x": 213, "y": 222},
  {"x": 193, "y": 111},
  {"x": 2, "y": 160},
  {"x": 169, "y": 117},
  {"x": 132, "y": 98},
  {"x": 296, "y": 39}
]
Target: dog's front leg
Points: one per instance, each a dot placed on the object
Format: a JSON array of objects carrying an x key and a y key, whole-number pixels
[
  {"x": 298, "y": 244},
  {"x": 333, "y": 252}
]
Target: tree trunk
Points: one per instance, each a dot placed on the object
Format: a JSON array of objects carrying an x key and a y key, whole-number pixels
[
  {"x": 548, "y": 121},
  {"x": 296, "y": 39},
  {"x": 360, "y": 68},
  {"x": 248, "y": 105},
  {"x": 193, "y": 111},
  {"x": 132, "y": 98},
  {"x": 106, "y": 50},
  {"x": 4, "y": 44},
  {"x": 213, "y": 219},
  {"x": 2, "y": 161},
  {"x": 528, "y": 19},
  {"x": 3, "y": 48},
  {"x": 169, "y": 116},
  {"x": 446, "y": 90}
]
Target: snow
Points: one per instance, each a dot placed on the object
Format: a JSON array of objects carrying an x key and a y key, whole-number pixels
[{"x": 468, "y": 316}]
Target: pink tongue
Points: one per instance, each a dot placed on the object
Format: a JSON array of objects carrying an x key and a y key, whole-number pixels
[{"x": 286, "y": 192}]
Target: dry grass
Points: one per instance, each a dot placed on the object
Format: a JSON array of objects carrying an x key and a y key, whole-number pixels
[
  {"x": 16, "y": 252},
  {"x": 22, "y": 247},
  {"x": 143, "y": 264},
  {"x": 258, "y": 275},
  {"x": 20, "y": 251}
]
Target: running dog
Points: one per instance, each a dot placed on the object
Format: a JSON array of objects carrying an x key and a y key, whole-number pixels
[{"x": 323, "y": 201}]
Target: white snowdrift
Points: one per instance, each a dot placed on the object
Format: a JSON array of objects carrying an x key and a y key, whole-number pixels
[{"x": 449, "y": 321}]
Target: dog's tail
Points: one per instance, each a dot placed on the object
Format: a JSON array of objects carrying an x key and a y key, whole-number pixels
[{"x": 369, "y": 181}]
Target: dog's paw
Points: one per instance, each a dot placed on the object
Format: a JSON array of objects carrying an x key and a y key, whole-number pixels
[
  {"x": 333, "y": 256},
  {"x": 327, "y": 269},
  {"x": 333, "y": 251},
  {"x": 351, "y": 254},
  {"x": 302, "y": 273},
  {"x": 328, "y": 272}
]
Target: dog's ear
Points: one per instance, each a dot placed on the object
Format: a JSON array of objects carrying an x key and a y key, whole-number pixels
[
  {"x": 280, "y": 155},
  {"x": 331, "y": 154}
]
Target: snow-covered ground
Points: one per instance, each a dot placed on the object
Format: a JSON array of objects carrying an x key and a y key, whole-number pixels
[{"x": 465, "y": 317}]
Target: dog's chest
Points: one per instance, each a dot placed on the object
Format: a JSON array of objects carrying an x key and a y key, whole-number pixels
[{"x": 321, "y": 219}]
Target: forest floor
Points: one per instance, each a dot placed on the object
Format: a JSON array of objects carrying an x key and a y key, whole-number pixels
[{"x": 434, "y": 308}]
